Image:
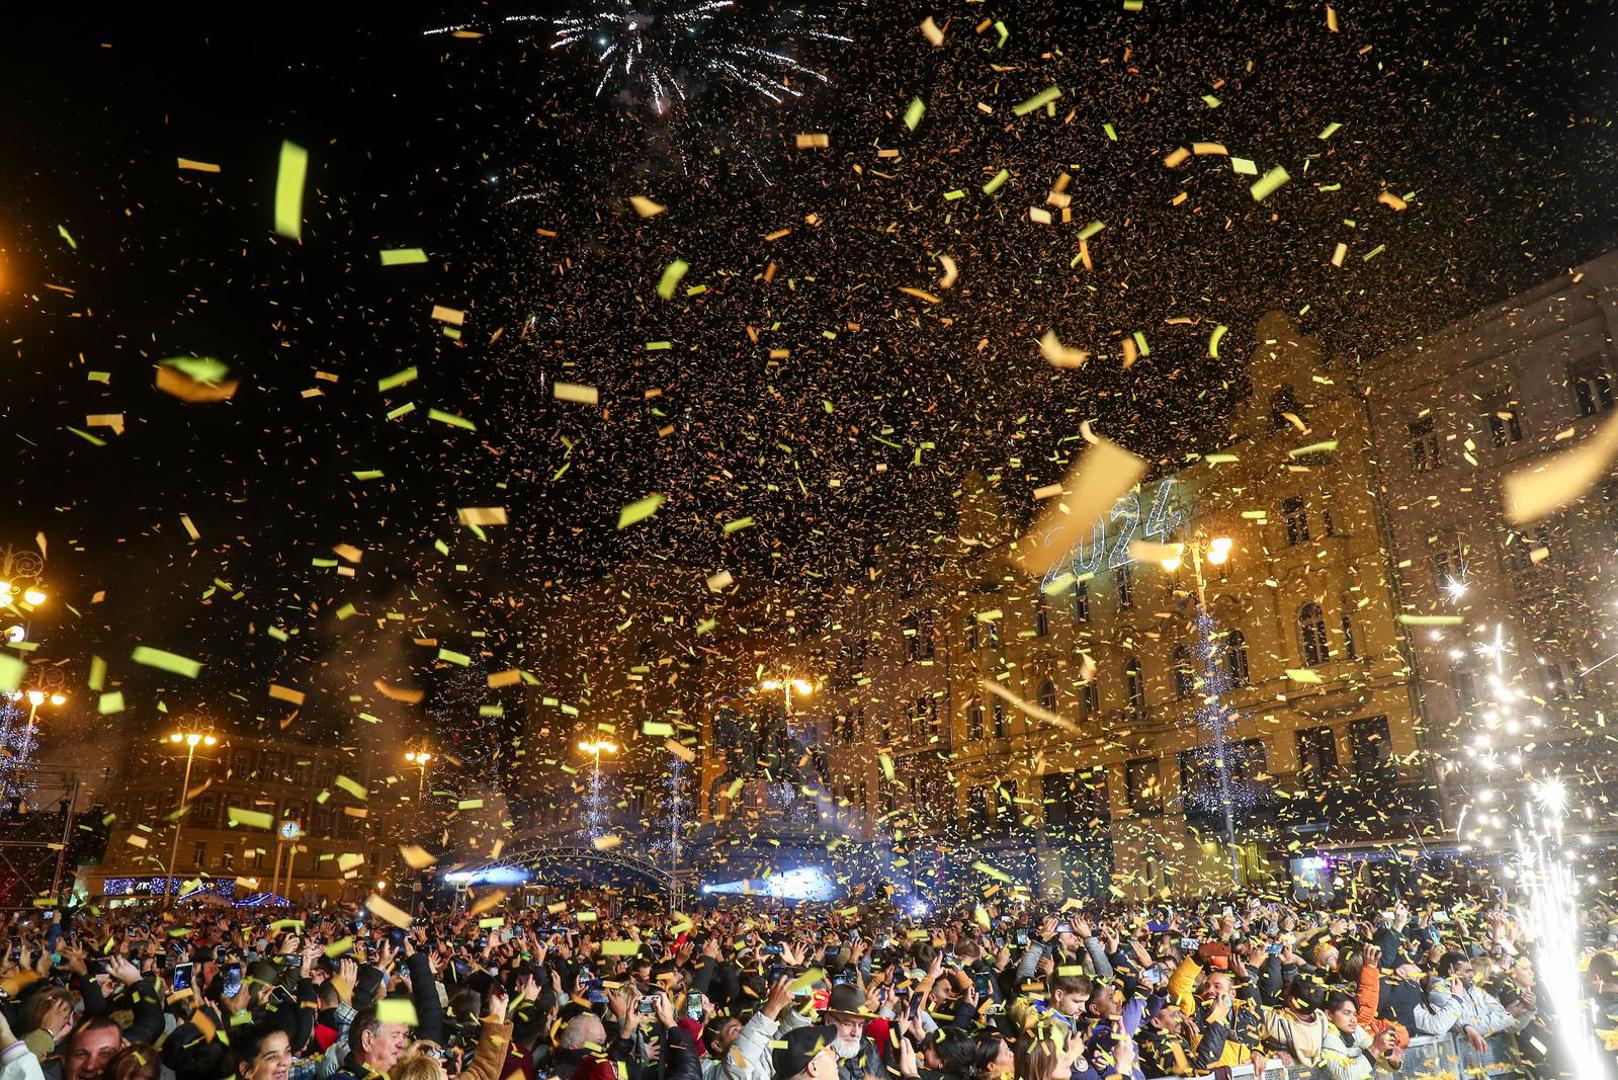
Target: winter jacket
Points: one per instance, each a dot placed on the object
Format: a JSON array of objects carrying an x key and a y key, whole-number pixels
[
  {"x": 1348, "y": 1057},
  {"x": 490, "y": 1056}
]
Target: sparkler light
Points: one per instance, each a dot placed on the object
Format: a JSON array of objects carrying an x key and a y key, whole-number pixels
[{"x": 1552, "y": 920}]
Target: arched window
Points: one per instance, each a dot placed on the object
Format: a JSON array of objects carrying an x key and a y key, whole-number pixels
[
  {"x": 1185, "y": 679},
  {"x": 1351, "y": 648},
  {"x": 1312, "y": 635},
  {"x": 999, "y": 719},
  {"x": 1042, "y": 620},
  {"x": 1091, "y": 700},
  {"x": 971, "y": 633},
  {"x": 1134, "y": 688},
  {"x": 1047, "y": 696},
  {"x": 1236, "y": 658},
  {"x": 974, "y": 720}
]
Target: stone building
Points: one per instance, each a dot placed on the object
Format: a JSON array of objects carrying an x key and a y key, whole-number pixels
[
  {"x": 1123, "y": 796},
  {"x": 325, "y": 843},
  {"x": 1453, "y": 414}
]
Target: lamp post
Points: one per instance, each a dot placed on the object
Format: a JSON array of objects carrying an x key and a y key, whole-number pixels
[
  {"x": 1216, "y": 550},
  {"x": 419, "y": 758},
  {"x": 787, "y": 685},
  {"x": 192, "y": 740},
  {"x": 36, "y": 698},
  {"x": 595, "y": 748}
]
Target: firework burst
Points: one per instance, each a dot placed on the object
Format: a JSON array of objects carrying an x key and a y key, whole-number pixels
[{"x": 664, "y": 52}]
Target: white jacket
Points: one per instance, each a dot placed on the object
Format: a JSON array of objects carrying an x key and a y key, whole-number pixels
[
  {"x": 749, "y": 1057},
  {"x": 17, "y": 1062}
]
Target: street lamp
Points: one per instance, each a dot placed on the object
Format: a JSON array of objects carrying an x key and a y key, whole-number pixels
[
  {"x": 192, "y": 740},
  {"x": 788, "y": 685},
  {"x": 419, "y": 758},
  {"x": 36, "y": 698},
  {"x": 595, "y": 748},
  {"x": 1216, "y": 550}
]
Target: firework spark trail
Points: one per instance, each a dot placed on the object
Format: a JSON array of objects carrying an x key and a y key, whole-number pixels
[
  {"x": 653, "y": 46},
  {"x": 1552, "y": 918}
]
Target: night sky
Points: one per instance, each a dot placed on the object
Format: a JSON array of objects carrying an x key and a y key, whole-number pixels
[{"x": 494, "y": 155}]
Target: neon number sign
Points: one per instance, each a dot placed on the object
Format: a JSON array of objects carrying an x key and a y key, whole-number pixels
[{"x": 1124, "y": 522}]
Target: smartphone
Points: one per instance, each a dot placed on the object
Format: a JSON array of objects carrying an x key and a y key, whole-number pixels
[
  {"x": 396, "y": 937},
  {"x": 1273, "y": 948},
  {"x": 220, "y": 952},
  {"x": 281, "y": 995},
  {"x": 230, "y": 978},
  {"x": 771, "y": 950},
  {"x": 1064, "y": 928},
  {"x": 1022, "y": 937},
  {"x": 182, "y": 977},
  {"x": 1189, "y": 944},
  {"x": 693, "y": 1007},
  {"x": 97, "y": 965}
]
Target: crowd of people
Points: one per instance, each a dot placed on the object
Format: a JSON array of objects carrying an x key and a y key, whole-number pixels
[{"x": 581, "y": 991}]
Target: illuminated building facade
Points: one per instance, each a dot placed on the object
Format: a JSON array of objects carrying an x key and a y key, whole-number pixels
[
  {"x": 325, "y": 844},
  {"x": 1453, "y": 415},
  {"x": 1121, "y": 798}
]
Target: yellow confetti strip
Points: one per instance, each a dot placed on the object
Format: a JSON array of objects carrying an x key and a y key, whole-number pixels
[{"x": 289, "y": 184}]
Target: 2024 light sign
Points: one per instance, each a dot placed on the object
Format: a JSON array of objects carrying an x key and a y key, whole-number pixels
[{"x": 1125, "y": 521}]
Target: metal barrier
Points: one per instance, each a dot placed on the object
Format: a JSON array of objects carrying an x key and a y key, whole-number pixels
[{"x": 1426, "y": 1057}]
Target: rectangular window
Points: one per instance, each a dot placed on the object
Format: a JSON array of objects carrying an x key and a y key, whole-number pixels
[
  {"x": 918, "y": 634},
  {"x": 1505, "y": 427},
  {"x": 1593, "y": 390},
  {"x": 199, "y": 853},
  {"x": 1126, "y": 588},
  {"x": 1424, "y": 445},
  {"x": 999, "y": 719},
  {"x": 1369, "y": 744},
  {"x": 1317, "y": 752},
  {"x": 1091, "y": 708},
  {"x": 1296, "y": 517},
  {"x": 977, "y": 811},
  {"x": 974, "y": 721},
  {"x": 1142, "y": 787},
  {"x": 1447, "y": 558},
  {"x": 1081, "y": 601}
]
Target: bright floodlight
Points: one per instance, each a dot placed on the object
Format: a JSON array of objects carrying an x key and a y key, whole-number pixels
[
  {"x": 34, "y": 597},
  {"x": 1172, "y": 562},
  {"x": 1219, "y": 549},
  {"x": 770, "y": 684},
  {"x": 803, "y": 686},
  {"x": 36, "y": 698},
  {"x": 1455, "y": 588},
  {"x": 58, "y": 699}
]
